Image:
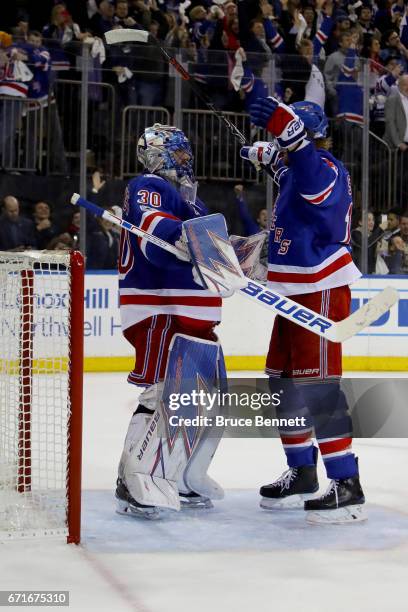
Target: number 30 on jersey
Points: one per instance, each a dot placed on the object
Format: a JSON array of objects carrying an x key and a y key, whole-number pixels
[{"x": 149, "y": 198}]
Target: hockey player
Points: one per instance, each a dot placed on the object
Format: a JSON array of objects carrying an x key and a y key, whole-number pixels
[
  {"x": 162, "y": 309},
  {"x": 310, "y": 260}
]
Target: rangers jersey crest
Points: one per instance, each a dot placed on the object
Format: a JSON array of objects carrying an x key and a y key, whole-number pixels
[{"x": 310, "y": 230}]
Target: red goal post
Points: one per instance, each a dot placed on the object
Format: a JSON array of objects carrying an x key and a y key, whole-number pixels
[{"x": 41, "y": 382}]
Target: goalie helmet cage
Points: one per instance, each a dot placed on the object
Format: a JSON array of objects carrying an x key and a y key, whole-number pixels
[{"x": 41, "y": 377}]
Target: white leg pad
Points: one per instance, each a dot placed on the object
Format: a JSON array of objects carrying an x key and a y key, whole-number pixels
[
  {"x": 137, "y": 426},
  {"x": 195, "y": 475},
  {"x": 150, "y": 455},
  {"x": 159, "y": 454},
  {"x": 153, "y": 491}
]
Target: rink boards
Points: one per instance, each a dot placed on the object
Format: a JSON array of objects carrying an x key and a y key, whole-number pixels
[{"x": 244, "y": 331}]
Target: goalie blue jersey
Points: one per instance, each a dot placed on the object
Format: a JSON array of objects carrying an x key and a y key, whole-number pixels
[
  {"x": 310, "y": 230},
  {"x": 151, "y": 280}
]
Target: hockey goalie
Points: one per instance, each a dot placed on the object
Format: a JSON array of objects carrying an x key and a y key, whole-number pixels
[{"x": 169, "y": 309}]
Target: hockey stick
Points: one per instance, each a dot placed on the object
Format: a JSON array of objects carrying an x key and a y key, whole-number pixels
[
  {"x": 273, "y": 301},
  {"x": 125, "y": 35},
  {"x": 105, "y": 214}
]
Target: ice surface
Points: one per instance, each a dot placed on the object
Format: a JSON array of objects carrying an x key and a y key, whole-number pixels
[
  {"x": 234, "y": 524},
  {"x": 235, "y": 557}
]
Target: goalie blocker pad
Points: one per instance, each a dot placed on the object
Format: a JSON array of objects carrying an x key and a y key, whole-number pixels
[
  {"x": 212, "y": 253},
  {"x": 177, "y": 447}
]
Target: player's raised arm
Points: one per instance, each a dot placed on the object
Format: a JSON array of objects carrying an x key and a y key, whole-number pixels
[{"x": 294, "y": 127}]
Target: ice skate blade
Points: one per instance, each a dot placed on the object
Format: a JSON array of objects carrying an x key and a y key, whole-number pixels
[
  {"x": 341, "y": 516},
  {"x": 124, "y": 508},
  {"x": 291, "y": 502},
  {"x": 196, "y": 503}
]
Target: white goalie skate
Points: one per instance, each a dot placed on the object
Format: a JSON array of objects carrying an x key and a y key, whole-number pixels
[
  {"x": 194, "y": 501},
  {"x": 125, "y": 504}
]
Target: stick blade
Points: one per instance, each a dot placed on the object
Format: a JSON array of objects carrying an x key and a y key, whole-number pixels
[
  {"x": 367, "y": 314},
  {"x": 123, "y": 35}
]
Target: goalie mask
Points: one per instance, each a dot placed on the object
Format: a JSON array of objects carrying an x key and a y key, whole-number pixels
[{"x": 165, "y": 150}]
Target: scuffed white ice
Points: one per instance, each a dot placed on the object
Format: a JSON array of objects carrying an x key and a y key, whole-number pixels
[
  {"x": 234, "y": 524},
  {"x": 235, "y": 557}
]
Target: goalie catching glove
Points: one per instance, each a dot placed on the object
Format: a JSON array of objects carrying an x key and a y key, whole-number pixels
[{"x": 280, "y": 120}]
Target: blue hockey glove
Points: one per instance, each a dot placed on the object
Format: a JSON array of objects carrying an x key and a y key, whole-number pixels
[
  {"x": 262, "y": 110},
  {"x": 280, "y": 120}
]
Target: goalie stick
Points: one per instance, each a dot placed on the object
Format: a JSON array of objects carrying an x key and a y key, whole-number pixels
[
  {"x": 272, "y": 300},
  {"x": 126, "y": 35}
]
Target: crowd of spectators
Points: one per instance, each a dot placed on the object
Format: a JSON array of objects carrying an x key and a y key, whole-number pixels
[
  {"x": 229, "y": 45},
  {"x": 387, "y": 241},
  {"x": 35, "y": 226},
  {"x": 317, "y": 49}
]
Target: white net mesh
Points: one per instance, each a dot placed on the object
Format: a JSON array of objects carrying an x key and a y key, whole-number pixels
[{"x": 34, "y": 392}]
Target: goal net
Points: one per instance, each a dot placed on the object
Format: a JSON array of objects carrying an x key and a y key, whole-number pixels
[{"x": 41, "y": 369}]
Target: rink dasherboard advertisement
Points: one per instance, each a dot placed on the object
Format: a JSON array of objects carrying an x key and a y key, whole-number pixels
[{"x": 244, "y": 331}]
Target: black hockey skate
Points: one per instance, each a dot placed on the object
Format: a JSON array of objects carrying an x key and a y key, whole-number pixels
[
  {"x": 342, "y": 503},
  {"x": 127, "y": 505},
  {"x": 292, "y": 489}
]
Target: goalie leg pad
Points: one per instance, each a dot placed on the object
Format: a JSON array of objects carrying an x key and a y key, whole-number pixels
[
  {"x": 156, "y": 461},
  {"x": 141, "y": 448},
  {"x": 138, "y": 423},
  {"x": 204, "y": 370},
  {"x": 195, "y": 475}
]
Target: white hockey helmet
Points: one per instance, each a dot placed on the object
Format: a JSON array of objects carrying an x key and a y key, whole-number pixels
[{"x": 165, "y": 150}]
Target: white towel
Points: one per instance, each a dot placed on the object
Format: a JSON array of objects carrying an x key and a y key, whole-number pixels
[
  {"x": 237, "y": 72},
  {"x": 98, "y": 50},
  {"x": 125, "y": 75},
  {"x": 21, "y": 71}
]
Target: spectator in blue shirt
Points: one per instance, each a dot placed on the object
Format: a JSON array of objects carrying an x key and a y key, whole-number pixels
[{"x": 249, "y": 226}]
